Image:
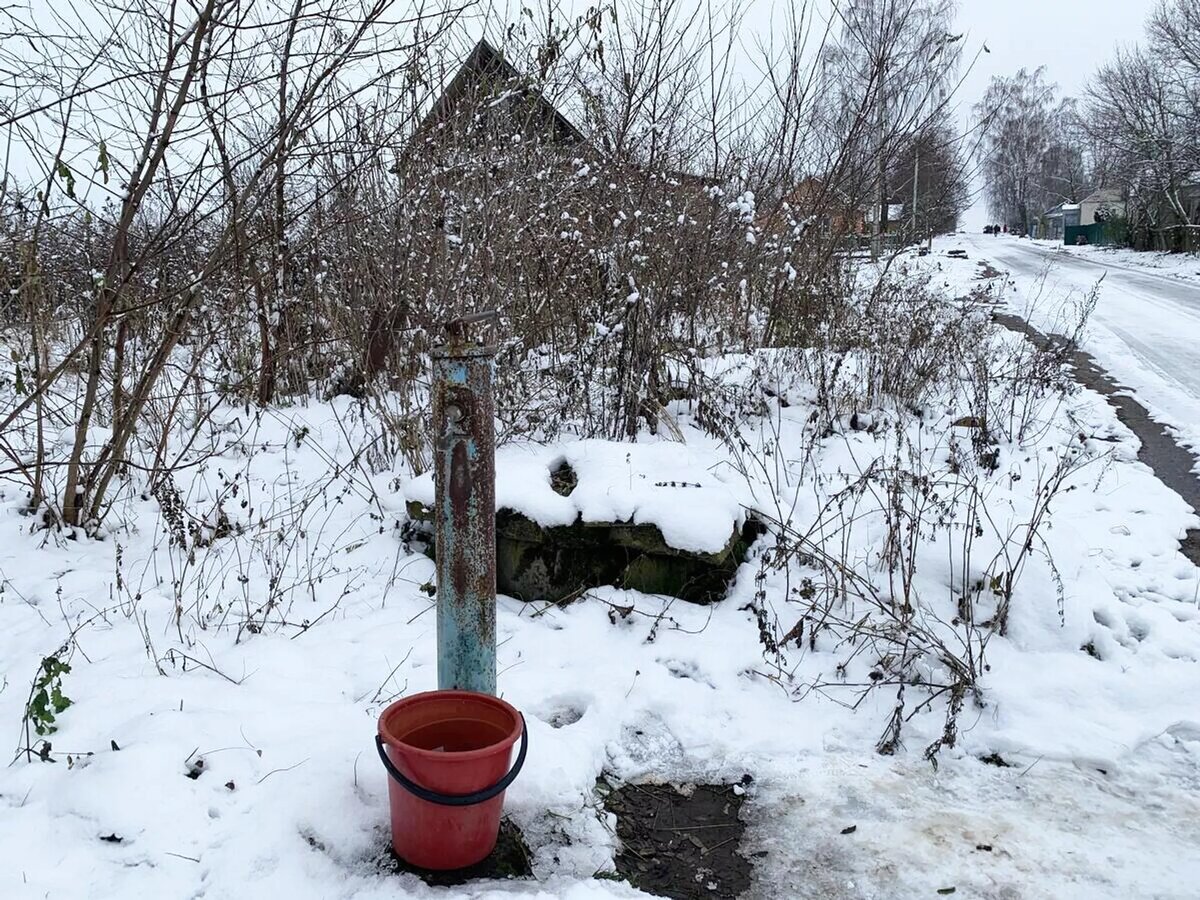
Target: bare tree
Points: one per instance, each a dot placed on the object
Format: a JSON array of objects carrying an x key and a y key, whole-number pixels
[
  {"x": 899, "y": 58},
  {"x": 1142, "y": 112},
  {"x": 931, "y": 169},
  {"x": 1032, "y": 150},
  {"x": 198, "y": 163}
]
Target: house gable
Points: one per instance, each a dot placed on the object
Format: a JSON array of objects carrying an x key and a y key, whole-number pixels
[{"x": 488, "y": 84}]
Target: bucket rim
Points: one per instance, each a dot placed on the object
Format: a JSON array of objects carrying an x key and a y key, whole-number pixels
[{"x": 445, "y": 755}]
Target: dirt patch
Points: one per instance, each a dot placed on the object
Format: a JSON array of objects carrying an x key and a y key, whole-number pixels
[
  {"x": 1171, "y": 463},
  {"x": 563, "y": 479},
  {"x": 987, "y": 271},
  {"x": 681, "y": 843},
  {"x": 510, "y": 859}
]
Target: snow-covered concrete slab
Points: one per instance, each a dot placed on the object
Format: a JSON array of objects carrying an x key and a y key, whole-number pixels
[{"x": 666, "y": 484}]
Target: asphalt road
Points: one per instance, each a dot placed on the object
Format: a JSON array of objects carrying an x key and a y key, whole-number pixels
[
  {"x": 1144, "y": 334},
  {"x": 1030, "y": 258},
  {"x": 1154, "y": 319}
]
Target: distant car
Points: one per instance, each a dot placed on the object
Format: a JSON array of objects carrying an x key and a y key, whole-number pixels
[{"x": 987, "y": 229}]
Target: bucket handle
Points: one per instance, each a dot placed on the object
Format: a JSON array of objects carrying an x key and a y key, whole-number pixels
[{"x": 455, "y": 799}]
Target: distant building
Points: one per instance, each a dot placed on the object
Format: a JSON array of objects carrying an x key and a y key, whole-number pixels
[
  {"x": 488, "y": 90},
  {"x": 1103, "y": 205},
  {"x": 489, "y": 98},
  {"x": 1058, "y": 218},
  {"x": 895, "y": 216},
  {"x": 832, "y": 211}
]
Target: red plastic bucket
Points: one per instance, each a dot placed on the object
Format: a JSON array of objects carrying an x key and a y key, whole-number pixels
[{"x": 447, "y": 754}]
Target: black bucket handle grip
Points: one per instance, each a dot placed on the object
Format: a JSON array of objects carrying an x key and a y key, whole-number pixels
[{"x": 429, "y": 796}]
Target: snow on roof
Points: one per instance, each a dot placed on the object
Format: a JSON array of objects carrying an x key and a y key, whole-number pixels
[{"x": 665, "y": 484}]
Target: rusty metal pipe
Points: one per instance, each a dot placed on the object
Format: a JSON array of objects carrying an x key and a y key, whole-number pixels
[{"x": 465, "y": 514}]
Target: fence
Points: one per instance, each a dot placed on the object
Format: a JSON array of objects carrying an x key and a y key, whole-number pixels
[
  {"x": 859, "y": 244},
  {"x": 1171, "y": 239},
  {"x": 1104, "y": 234}
]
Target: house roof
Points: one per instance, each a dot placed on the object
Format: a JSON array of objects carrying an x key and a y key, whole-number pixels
[
  {"x": 812, "y": 183},
  {"x": 485, "y": 70},
  {"x": 1104, "y": 195},
  {"x": 485, "y": 73}
]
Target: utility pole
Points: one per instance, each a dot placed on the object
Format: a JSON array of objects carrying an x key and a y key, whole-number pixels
[
  {"x": 882, "y": 216},
  {"x": 916, "y": 181}
]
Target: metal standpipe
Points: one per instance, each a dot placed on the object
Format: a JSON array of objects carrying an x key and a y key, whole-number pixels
[{"x": 465, "y": 514}]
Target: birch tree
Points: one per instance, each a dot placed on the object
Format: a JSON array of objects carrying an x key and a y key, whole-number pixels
[{"x": 1033, "y": 156}]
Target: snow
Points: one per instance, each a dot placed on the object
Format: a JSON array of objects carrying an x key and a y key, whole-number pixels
[
  {"x": 744, "y": 206},
  {"x": 1145, "y": 330},
  {"x": 666, "y": 484},
  {"x": 1039, "y": 829},
  {"x": 270, "y": 653},
  {"x": 1184, "y": 266}
]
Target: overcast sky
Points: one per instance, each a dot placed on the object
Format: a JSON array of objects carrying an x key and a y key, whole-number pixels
[{"x": 1069, "y": 37}]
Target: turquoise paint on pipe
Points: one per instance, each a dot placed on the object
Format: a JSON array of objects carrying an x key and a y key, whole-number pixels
[{"x": 464, "y": 477}]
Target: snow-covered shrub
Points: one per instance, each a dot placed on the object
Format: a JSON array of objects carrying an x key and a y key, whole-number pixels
[{"x": 919, "y": 415}]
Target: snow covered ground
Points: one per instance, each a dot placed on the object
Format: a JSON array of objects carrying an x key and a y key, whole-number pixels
[
  {"x": 1183, "y": 266},
  {"x": 1145, "y": 330},
  {"x": 231, "y": 644}
]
